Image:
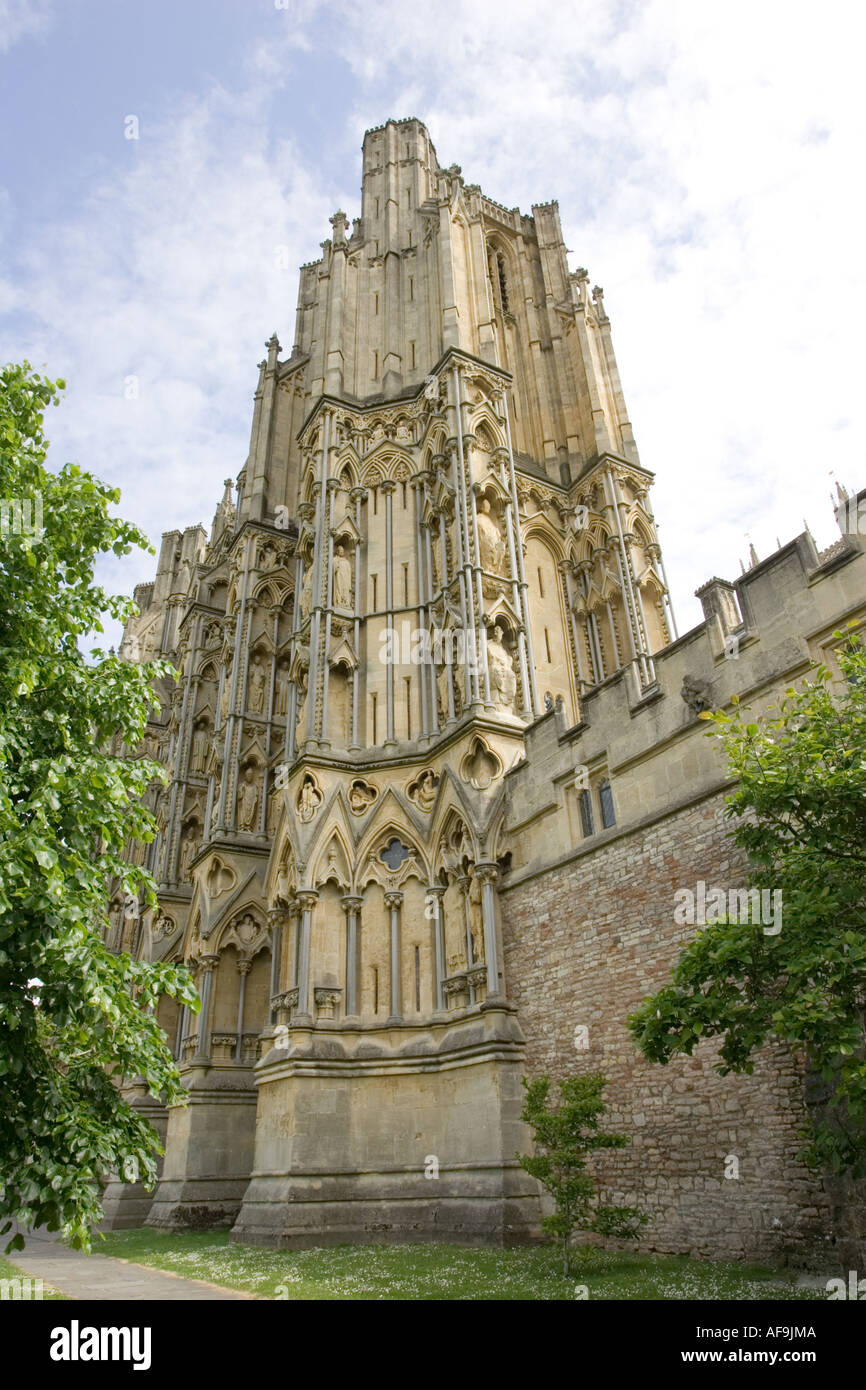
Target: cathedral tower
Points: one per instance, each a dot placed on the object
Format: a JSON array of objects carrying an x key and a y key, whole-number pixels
[{"x": 442, "y": 531}]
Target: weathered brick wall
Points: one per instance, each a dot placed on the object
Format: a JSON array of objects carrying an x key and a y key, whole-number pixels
[{"x": 584, "y": 943}]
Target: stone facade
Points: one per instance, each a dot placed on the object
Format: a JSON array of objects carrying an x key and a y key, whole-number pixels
[{"x": 435, "y": 765}]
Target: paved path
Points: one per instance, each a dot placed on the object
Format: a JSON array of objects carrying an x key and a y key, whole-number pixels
[{"x": 103, "y": 1278}]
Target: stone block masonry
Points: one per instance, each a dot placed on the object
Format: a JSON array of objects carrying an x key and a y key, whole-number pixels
[{"x": 584, "y": 943}]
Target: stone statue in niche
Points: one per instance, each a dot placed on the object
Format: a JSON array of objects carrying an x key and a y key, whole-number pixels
[
  {"x": 267, "y": 556},
  {"x": 163, "y": 926},
  {"x": 247, "y": 929},
  {"x": 342, "y": 573},
  {"x": 451, "y": 649},
  {"x": 227, "y": 682},
  {"x": 361, "y": 796},
  {"x": 454, "y": 915},
  {"x": 302, "y": 700},
  {"x": 503, "y": 682},
  {"x": 248, "y": 800},
  {"x": 306, "y": 600},
  {"x": 257, "y": 686},
  {"x": 476, "y": 917},
  {"x": 200, "y": 742},
  {"x": 309, "y": 800},
  {"x": 490, "y": 542},
  {"x": 423, "y": 792},
  {"x": 281, "y": 697},
  {"x": 442, "y": 687},
  {"x": 188, "y": 851}
]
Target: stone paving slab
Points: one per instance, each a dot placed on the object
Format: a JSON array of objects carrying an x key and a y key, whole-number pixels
[{"x": 103, "y": 1278}]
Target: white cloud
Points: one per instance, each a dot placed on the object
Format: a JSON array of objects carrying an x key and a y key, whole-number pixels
[
  {"x": 169, "y": 273},
  {"x": 705, "y": 160},
  {"x": 21, "y": 19}
]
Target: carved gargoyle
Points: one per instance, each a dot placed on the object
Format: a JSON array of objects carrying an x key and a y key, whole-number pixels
[{"x": 696, "y": 694}]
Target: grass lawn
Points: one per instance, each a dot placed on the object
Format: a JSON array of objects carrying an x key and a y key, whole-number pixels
[
  {"x": 9, "y": 1271},
  {"x": 441, "y": 1271}
]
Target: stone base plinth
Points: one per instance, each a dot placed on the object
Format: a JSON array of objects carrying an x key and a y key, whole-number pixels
[
  {"x": 403, "y": 1134},
  {"x": 208, "y": 1150}
]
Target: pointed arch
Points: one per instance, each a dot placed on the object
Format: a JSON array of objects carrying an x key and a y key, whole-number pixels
[{"x": 384, "y": 829}]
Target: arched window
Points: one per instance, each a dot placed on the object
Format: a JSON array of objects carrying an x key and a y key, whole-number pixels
[
  {"x": 586, "y": 820},
  {"x": 503, "y": 283},
  {"x": 605, "y": 801}
]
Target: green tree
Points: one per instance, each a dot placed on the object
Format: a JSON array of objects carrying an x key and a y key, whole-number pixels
[
  {"x": 74, "y": 1018},
  {"x": 800, "y": 812},
  {"x": 565, "y": 1135}
]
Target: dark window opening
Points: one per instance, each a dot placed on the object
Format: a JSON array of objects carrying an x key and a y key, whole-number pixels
[
  {"x": 503, "y": 286},
  {"x": 605, "y": 799}
]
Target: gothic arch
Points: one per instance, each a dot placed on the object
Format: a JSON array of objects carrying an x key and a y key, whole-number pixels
[
  {"x": 333, "y": 861},
  {"x": 348, "y": 469},
  {"x": 389, "y": 461},
  {"x": 269, "y": 593},
  {"x": 539, "y": 528},
  {"x": 246, "y": 930},
  {"x": 486, "y": 426},
  {"x": 373, "y": 475},
  {"x": 455, "y": 840},
  {"x": 372, "y": 868}
]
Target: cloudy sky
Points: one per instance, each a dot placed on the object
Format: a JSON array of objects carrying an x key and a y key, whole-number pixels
[{"x": 707, "y": 159}]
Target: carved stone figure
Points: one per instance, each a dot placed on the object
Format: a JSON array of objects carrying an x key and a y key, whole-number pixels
[
  {"x": 200, "y": 742},
  {"x": 503, "y": 682},
  {"x": 342, "y": 579},
  {"x": 281, "y": 695},
  {"x": 490, "y": 542},
  {"x": 257, "y": 687},
  {"x": 248, "y": 800},
  {"x": 302, "y": 704},
  {"x": 361, "y": 796},
  {"x": 309, "y": 800},
  {"x": 454, "y": 915},
  {"x": 423, "y": 792},
  {"x": 188, "y": 851},
  {"x": 695, "y": 693},
  {"x": 267, "y": 556},
  {"x": 227, "y": 683},
  {"x": 162, "y": 926},
  {"x": 476, "y": 918},
  {"x": 307, "y": 590}
]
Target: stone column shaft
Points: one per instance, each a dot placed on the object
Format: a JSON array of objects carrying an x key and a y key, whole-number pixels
[
  {"x": 307, "y": 900},
  {"x": 244, "y": 968},
  {"x": 352, "y": 907},
  {"x": 489, "y": 873},
  {"x": 392, "y": 902}
]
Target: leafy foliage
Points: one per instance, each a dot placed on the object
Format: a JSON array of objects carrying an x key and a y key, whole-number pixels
[
  {"x": 800, "y": 812},
  {"x": 565, "y": 1135},
  {"x": 74, "y": 1018}
]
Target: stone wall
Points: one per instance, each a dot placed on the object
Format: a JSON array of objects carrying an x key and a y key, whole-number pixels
[{"x": 584, "y": 943}]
